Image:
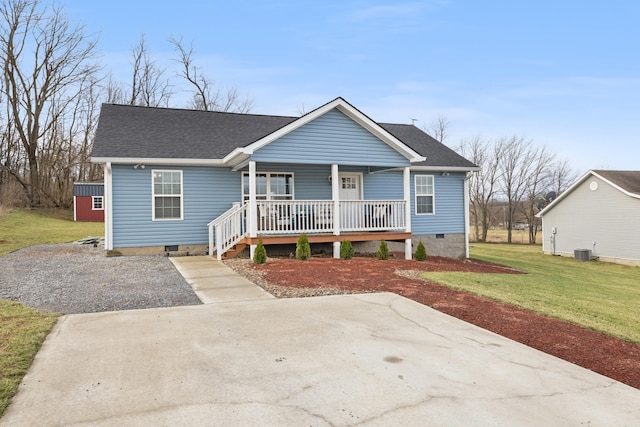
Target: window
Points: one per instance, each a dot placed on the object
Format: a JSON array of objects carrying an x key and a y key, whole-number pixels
[
  {"x": 269, "y": 186},
  {"x": 424, "y": 194},
  {"x": 349, "y": 183},
  {"x": 97, "y": 203},
  {"x": 167, "y": 194}
]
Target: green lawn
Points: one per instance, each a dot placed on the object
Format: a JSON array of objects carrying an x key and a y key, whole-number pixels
[
  {"x": 597, "y": 295},
  {"x": 22, "y": 228},
  {"x": 23, "y": 329}
]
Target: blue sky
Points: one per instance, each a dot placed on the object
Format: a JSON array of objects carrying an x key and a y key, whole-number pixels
[{"x": 565, "y": 74}]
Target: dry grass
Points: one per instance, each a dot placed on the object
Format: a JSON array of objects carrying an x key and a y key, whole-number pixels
[{"x": 500, "y": 236}]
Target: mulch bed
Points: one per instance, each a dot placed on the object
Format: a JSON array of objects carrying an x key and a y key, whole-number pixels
[{"x": 609, "y": 356}]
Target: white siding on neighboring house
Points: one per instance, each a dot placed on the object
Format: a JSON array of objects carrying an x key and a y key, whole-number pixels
[{"x": 598, "y": 217}]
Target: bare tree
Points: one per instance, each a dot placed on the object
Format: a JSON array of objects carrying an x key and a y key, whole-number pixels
[
  {"x": 483, "y": 184},
  {"x": 149, "y": 87},
  {"x": 538, "y": 177},
  {"x": 205, "y": 97},
  {"x": 562, "y": 176},
  {"x": 515, "y": 166},
  {"x": 439, "y": 128},
  {"x": 45, "y": 58}
]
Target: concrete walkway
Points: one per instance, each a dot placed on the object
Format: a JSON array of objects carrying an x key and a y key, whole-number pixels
[
  {"x": 371, "y": 359},
  {"x": 214, "y": 282}
]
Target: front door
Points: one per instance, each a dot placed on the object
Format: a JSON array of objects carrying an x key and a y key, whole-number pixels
[{"x": 350, "y": 190}]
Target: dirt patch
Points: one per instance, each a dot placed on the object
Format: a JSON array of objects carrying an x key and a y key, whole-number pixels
[{"x": 609, "y": 356}]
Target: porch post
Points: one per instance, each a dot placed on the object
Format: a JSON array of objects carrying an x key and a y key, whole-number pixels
[
  {"x": 407, "y": 210},
  {"x": 253, "y": 208},
  {"x": 466, "y": 214},
  {"x": 335, "y": 195},
  {"x": 108, "y": 207}
]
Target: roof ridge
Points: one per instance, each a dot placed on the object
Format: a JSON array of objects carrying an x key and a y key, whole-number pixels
[{"x": 198, "y": 111}]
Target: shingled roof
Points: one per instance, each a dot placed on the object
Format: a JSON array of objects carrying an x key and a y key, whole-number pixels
[
  {"x": 135, "y": 132},
  {"x": 627, "y": 180}
]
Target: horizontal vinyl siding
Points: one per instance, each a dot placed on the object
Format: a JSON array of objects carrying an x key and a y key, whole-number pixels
[
  {"x": 207, "y": 193},
  {"x": 606, "y": 216},
  {"x": 448, "y": 203},
  {"x": 88, "y": 189},
  {"x": 332, "y": 138}
]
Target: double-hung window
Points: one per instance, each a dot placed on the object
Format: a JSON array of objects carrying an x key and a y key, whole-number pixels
[
  {"x": 269, "y": 186},
  {"x": 97, "y": 203},
  {"x": 167, "y": 194},
  {"x": 424, "y": 194}
]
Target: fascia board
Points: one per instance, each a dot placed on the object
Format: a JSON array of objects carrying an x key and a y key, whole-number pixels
[
  {"x": 158, "y": 161},
  {"x": 445, "y": 168},
  {"x": 350, "y": 112},
  {"x": 564, "y": 194},
  {"x": 617, "y": 187}
]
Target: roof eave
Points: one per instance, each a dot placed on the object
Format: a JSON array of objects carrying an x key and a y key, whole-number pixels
[{"x": 158, "y": 161}]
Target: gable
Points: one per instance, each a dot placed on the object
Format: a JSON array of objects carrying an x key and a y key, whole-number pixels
[{"x": 332, "y": 138}]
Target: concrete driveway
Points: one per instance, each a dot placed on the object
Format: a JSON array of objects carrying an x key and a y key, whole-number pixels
[{"x": 374, "y": 359}]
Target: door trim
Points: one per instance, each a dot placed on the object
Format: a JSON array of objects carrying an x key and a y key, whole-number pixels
[{"x": 360, "y": 182}]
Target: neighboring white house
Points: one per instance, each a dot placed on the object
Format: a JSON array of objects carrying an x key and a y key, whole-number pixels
[{"x": 599, "y": 213}]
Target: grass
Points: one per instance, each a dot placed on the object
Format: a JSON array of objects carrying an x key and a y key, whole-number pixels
[
  {"x": 597, "y": 295},
  {"x": 20, "y": 228},
  {"x": 23, "y": 329}
]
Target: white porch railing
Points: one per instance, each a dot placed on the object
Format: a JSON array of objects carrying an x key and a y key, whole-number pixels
[
  {"x": 295, "y": 216},
  {"x": 372, "y": 215},
  {"x": 228, "y": 229},
  {"x": 317, "y": 216},
  {"x": 304, "y": 216}
]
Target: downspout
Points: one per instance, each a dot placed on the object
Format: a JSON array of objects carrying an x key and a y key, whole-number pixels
[{"x": 108, "y": 207}]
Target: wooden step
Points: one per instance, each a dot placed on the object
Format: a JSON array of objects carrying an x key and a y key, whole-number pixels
[{"x": 234, "y": 251}]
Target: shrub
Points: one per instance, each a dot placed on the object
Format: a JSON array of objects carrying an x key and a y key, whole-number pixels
[
  {"x": 346, "y": 250},
  {"x": 260, "y": 254},
  {"x": 303, "y": 248},
  {"x": 421, "y": 252},
  {"x": 383, "y": 250}
]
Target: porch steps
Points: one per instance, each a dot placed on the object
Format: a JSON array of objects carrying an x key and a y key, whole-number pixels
[{"x": 234, "y": 251}]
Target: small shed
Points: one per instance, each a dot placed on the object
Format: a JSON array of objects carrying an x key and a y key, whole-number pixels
[
  {"x": 88, "y": 201},
  {"x": 597, "y": 217}
]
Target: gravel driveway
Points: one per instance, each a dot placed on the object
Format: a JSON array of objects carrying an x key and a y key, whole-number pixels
[{"x": 75, "y": 278}]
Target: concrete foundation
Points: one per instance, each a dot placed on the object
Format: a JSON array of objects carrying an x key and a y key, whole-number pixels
[
  {"x": 181, "y": 250},
  {"x": 449, "y": 245}
]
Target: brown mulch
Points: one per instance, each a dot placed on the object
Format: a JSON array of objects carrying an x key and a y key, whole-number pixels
[{"x": 609, "y": 356}]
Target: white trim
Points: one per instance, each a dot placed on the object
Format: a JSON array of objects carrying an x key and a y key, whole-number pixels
[
  {"x": 444, "y": 169},
  {"x": 335, "y": 196},
  {"x": 108, "y": 211},
  {"x": 74, "y": 209},
  {"x": 351, "y": 112},
  {"x": 406, "y": 183},
  {"x": 360, "y": 182},
  {"x": 93, "y": 203},
  {"x": 293, "y": 185},
  {"x": 433, "y": 195},
  {"x": 158, "y": 161},
  {"x": 466, "y": 214},
  {"x": 153, "y": 195},
  {"x": 579, "y": 182}
]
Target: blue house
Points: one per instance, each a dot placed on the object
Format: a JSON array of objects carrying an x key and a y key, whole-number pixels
[{"x": 188, "y": 181}]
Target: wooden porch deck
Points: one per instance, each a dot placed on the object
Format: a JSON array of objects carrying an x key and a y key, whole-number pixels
[{"x": 389, "y": 236}]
